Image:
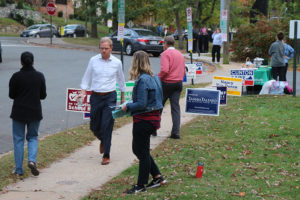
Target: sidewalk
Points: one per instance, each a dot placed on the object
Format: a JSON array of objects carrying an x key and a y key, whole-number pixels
[{"x": 76, "y": 175}]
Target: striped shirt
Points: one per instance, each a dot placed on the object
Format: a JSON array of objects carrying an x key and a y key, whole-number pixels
[{"x": 153, "y": 117}]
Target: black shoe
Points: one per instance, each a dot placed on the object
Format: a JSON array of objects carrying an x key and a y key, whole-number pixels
[
  {"x": 136, "y": 189},
  {"x": 33, "y": 168},
  {"x": 154, "y": 133},
  {"x": 157, "y": 182},
  {"x": 174, "y": 136}
]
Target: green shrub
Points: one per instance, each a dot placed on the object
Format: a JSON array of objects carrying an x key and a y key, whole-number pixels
[
  {"x": 20, "y": 4},
  {"x": 60, "y": 13},
  {"x": 254, "y": 40},
  {"x": 29, "y": 21},
  {"x": 2, "y": 3},
  {"x": 10, "y": 1},
  {"x": 71, "y": 16}
]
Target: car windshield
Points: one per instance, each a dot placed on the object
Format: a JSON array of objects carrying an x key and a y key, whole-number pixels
[
  {"x": 33, "y": 27},
  {"x": 70, "y": 26},
  {"x": 146, "y": 33}
]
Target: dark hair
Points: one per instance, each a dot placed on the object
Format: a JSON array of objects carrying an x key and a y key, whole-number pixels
[
  {"x": 169, "y": 40},
  {"x": 280, "y": 36},
  {"x": 27, "y": 59}
]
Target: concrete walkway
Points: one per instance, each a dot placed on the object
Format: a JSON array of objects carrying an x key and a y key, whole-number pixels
[{"x": 76, "y": 175}]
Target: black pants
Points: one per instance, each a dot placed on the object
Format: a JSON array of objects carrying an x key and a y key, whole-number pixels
[
  {"x": 102, "y": 122},
  {"x": 141, "y": 148},
  {"x": 278, "y": 72},
  {"x": 216, "y": 49},
  {"x": 172, "y": 91},
  {"x": 285, "y": 70}
]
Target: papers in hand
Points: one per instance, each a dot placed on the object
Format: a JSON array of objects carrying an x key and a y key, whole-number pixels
[{"x": 118, "y": 112}]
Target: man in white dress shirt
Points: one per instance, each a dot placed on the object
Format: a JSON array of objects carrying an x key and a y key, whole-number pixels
[{"x": 103, "y": 72}]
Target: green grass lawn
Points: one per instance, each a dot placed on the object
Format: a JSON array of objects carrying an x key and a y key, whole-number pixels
[{"x": 251, "y": 151}]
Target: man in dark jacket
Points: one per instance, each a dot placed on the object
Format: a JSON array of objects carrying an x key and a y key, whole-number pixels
[{"x": 26, "y": 87}]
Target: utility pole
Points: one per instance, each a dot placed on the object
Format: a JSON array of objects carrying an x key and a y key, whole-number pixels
[{"x": 225, "y": 14}]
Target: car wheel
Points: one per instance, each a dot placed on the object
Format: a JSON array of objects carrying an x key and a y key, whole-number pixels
[
  {"x": 0, "y": 58},
  {"x": 37, "y": 36},
  {"x": 156, "y": 54},
  {"x": 129, "y": 50}
]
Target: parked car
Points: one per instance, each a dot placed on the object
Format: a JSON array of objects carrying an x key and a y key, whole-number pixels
[
  {"x": 184, "y": 34},
  {"x": 40, "y": 30},
  {"x": 138, "y": 39},
  {"x": 74, "y": 30}
]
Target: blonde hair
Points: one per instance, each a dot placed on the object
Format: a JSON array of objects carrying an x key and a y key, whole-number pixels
[
  {"x": 140, "y": 64},
  {"x": 106, "y": 39}
]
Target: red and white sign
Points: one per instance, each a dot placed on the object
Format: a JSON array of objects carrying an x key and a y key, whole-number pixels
[
  {"x": 51, "y": 8},
  {"x": 73, "y": 105},
  {"x": 189, "y": 14}
]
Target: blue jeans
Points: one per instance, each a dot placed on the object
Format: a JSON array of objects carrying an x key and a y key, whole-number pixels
[{"x": 19, "y": 138}]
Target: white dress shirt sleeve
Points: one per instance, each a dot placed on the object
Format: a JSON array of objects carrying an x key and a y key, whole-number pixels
[
  {"x": 87, "y": 77},
  {"x": 121, "y": 79}
]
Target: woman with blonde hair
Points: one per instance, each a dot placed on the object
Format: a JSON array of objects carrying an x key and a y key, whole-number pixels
[{"x": 146, "y": 111}]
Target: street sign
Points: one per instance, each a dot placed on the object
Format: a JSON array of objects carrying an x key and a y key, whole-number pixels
[
  {"x": 292, "y": 29},
  {"x": 189, "y": 28},
  {"x": 121, "y": 19},
  {"x": 130, "y": 24},
  {"x": 51, "y": 8}
]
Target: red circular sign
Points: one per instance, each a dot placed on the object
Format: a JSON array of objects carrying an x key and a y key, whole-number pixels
[{"x": 51, "y": 8}]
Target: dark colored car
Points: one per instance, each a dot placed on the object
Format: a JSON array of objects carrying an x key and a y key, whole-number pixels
[
  {"x": 74, "y": 30},
  {"x": 184, "y": 34},
  {"x": 40, "y": 30},
  {"x": 138, "y": 39}
]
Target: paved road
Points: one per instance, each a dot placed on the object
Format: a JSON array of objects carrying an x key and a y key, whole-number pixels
[{"x": 62, "y": 69}]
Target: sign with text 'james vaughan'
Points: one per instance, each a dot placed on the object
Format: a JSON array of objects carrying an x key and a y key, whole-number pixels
[
  {"x": 202, "y": 101},
  {"x": 234, "y": 85},
  {"x": 246, "y": 74}
]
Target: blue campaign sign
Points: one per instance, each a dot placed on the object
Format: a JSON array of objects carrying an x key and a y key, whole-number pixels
[
  {"x": 202, "y": 101},
  {"x": 223, "y": 95}
]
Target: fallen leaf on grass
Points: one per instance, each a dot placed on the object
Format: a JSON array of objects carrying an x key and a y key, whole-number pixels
[
  {"x": 273, "y": 135},
  {"x": 241, "y": 194}
]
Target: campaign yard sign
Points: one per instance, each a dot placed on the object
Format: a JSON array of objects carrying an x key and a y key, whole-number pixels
[
  {"x": 128, "y": 91},
  {"x": 246, "y": 74},
  {"x": 234, "y": 85},
  {"x": 73, "y": 105},
  {"x": 201, "y": 101},
  {"x": 199, "y": 68},
  {"x": 190, "y": 70},
  {"x": 223, "y": 95}
]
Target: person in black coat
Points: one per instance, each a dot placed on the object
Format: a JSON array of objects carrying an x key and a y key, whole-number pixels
[{"x": 26, "y": 87}]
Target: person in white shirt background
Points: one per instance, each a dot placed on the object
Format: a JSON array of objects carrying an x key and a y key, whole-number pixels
[
  {"x": 103, "y": 72},
  {"x": 217, "y": 44}
]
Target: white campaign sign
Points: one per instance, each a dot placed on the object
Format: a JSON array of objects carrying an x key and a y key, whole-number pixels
[{"x": 292, "y": 29}]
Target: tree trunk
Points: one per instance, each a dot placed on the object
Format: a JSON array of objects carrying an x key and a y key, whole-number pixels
[
  {"x": 93, "y": 17},
  {"x": 177, "y": 18}
]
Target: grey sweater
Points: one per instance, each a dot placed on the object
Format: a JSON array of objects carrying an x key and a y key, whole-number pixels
[{"x": 276, "y": 50}]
